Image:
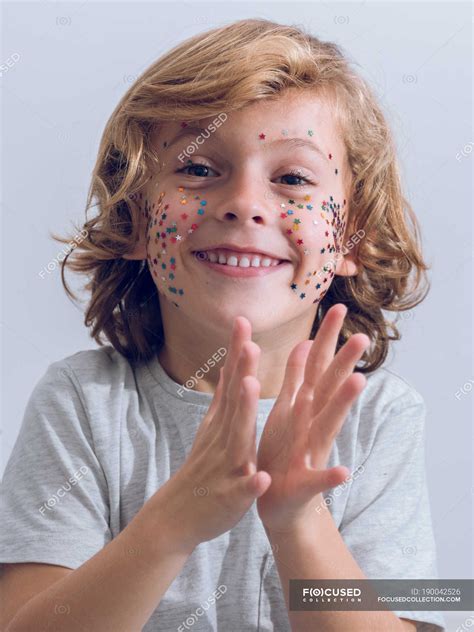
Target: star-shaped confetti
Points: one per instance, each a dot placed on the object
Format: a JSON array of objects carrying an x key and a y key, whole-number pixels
[{"x": 261, "y": 136}]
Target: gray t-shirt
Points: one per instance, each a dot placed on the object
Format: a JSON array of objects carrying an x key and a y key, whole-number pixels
[{"x": 99, "y": 438}]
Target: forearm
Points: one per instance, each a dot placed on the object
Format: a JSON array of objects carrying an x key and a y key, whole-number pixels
[
  {"x": 318, "y": 551},
  {"x": 118, "y": 588}
]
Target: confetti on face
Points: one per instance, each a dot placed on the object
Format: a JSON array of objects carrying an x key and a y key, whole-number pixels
[
  {"x": 319, "y": 242},
  {"x": 333, "y": 230},
  {"x": 165, "y": 231}
]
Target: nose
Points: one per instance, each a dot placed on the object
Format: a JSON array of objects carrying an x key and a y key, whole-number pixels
[{"x": 246, "y": 201}]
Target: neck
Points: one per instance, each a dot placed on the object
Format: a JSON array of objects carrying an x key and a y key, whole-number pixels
[{"x": 187, "y": 354}]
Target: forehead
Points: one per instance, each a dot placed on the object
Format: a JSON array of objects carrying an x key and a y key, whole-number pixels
[{"x": 308, "y": 115}]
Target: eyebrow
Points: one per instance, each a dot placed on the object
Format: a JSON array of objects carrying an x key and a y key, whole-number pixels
[
  {"x": 290, "y": 142},
  {"x": 300, "y": 142}
]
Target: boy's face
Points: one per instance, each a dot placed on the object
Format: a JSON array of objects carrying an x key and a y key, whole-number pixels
[{"x": 248, "y": 218}]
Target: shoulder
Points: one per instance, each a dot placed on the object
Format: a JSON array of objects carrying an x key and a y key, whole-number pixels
[
  {"x": 389, "y": 412},
  {"x": 90, "y": 381},
  {"x": 88, "y": 390},
  {"x": 388, "y": 392},
  {"x": 103, "y": 368}
]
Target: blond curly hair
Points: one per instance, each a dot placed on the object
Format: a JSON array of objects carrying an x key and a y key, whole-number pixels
[{"x": 221, "y": 70}]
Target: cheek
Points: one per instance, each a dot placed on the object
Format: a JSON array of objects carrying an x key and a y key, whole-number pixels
[
  {"x": 170, "y": 220},
  {"x": 317, "y": 229}
]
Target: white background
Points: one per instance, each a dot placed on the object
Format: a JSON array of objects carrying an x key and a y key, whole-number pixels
[{"x": 77, "y": 59}]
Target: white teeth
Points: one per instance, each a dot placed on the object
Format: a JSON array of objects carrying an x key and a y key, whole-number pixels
[{"x": 241, "y": 261}]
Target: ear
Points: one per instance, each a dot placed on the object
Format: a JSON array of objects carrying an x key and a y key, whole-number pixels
[
  {"x": 139, "y": 250},
  {"x": 346, "y": 265}
]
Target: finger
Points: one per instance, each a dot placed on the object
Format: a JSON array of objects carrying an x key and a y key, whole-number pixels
[
  {"x": 247, "y": 365},
  {"x": 294, "y": 371},
  {"x": 254, "y": 485},
  {"x": 241, "y": 443},
  {"x": 210, "y": 416},
  {"x": 322, "y": 480},
  {"x": 217, "y": 395},
  {"x": 339, "y": 370},
  {"x": 329, "y": 421},
  {"x": 241, "y": 332},
  {"x": 325, "y": 343}
]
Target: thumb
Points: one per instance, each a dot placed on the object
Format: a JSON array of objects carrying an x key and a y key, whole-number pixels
[
  {"x": 255, "y": 485},
  {"x": 323, "y": 480}
]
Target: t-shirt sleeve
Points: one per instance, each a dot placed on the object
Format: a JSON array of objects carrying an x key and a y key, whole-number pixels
[
  {"x": 387, "y": 523},
  {"x": 53, "y": 496}
]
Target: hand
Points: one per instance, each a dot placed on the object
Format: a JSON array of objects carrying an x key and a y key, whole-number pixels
[
  {"x": 317, "y": 392},
  {"x": 219, "y": 481}
]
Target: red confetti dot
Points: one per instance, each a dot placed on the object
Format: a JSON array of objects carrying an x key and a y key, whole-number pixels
[{"x": 261, "y": 136}]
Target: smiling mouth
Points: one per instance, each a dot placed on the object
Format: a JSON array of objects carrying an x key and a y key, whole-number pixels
[
  {"x": 225, "y": 257},
  {"x": 241, "y": 266}
]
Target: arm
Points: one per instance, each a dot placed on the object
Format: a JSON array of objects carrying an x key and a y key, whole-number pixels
[
  {"x": 117, "y": 589},
  {"x": 317, "y": 393},
  {"x": 318, "y": 551}
]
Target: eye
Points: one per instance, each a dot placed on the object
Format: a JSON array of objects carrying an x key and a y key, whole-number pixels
[
  {"x": 200, "y": 170},
  {"x": 296, "y": 175}
]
